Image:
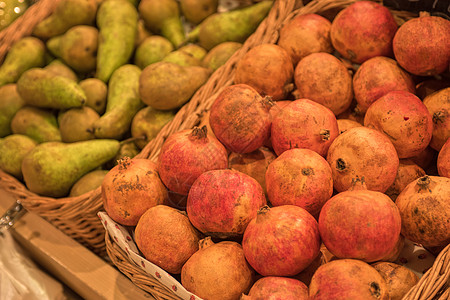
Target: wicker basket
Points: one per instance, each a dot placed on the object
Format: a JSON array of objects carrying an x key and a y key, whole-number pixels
[{"x": 434, "y": 284}]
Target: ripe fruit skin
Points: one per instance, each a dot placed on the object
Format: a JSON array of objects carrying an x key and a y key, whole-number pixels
[
  {"x": 268, "y": 69},
  {"x": 399, "y": 279},
  {"x": 363, "y": 152},
  {"x": 360, "y": 224},
  {"x": 376, "y": 77},
  {"x": 166, "y": 237},
  {"x": 304, "y": 124},
  {"x": 218, "y": 271},
  {"x": 422, "y": 45},
  {"x": 299, "y": 177},
  {"x": 363, "y": 30},
  {"x": 404, "y": 119},
  {"x": 130, "y": 188},
  {"x": 305, "y": 34},
  {"x": 249, "y": 126},
  {"x": 443, "y": 160},
  {"x": 346, "y": 124},
  {"x": 425, "y": 210},
  {"x": 438, "y": 104},
  {"x": 273, "y": 287},
  {"x": 347, "y": 279},
  {"x": 323, "y": 78},
  {"x": 187, "y": 154},
  {"x": 281, "y": 241},
  {"x": 221, "y": 203},
  {"x": 408, "y": 171}
]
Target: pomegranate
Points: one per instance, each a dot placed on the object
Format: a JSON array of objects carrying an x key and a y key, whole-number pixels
[
  {"x": 363, "y": 152},
  {"x": 404, "y": 119},
  {"x": 304, "y": 124},
  {"x": 422, "y": 45},
  {"x": 378, "y": 76},
  {"x": 438, "y": 104},
  {"x": 346, "y": 124},
  {"x": 323, "y": 78},
  {"x": 399, "y": 279},
  {"x": 347, "y": 279},
  {"x": 443, "y": 160},
  {"x": 305, "y": 34},
  {"x": 166, "y": 237},
  {"x": 396, "y": 251},
  {"x": 221, "y": 203},
  {"x": 187, "y": 154},
  {"x": 274, "y": 110},
  {"x": 217, "y": 271},
  {"x": 299, "y": 177},
  {"x": 363, "y": 30},
  {"x": 253, "y": 164},
  {"x": 249, "y": 127},
  {"x": 281, "y": 241},
  {"x": 360, "y": 224},
  {"x": 273, "y": 288},
  {"x": 426, "y": 159},
  {"x": 425, "y": 211},
  {"x": 130, "y": 188},
  {"x": 407, "y": 172},
  {"x": 268, "y": 69}
]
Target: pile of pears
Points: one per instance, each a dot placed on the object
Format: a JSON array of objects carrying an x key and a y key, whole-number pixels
[{"x": 98, "y": 79}]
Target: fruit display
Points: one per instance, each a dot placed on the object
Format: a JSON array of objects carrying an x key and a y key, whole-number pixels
[
  {"x": 307, "y": 174},
  {"x": 339, "y": 149}
]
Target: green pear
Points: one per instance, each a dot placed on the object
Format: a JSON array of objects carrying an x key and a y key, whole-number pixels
[
  {"x": 196, "y": 11},
  {"x": 117, "y": 22},
  {"x": 166, "y": 86},
  {"x": 182, "y": 58},
  {"x": 78, "y": 48},
  {"x": 77, "y": 124},
  {"x": 142, "y": 33},
  {"x": 10, "y": 104},
  {"x": 219, "y": 55},
  {"x": 153, "y": 49},
  {"x": 88, "y": 182},
  {"x": 67, "y": 14},
  {"x": 59, "y": 68},
  {"x": 234, "y": 25},
  {"x": 42, "y": 88},
  {"x": 163, "y": 17},
  {"x": 26, "y": 53},
  {"x": 13, "y": 149},
  {"x": 54, "y": 45},
  {"x": 147, "y": 123},
  {"x": 195, "y": 50},
  {"x": 37, "y": 123},
  {"x": 122, "y": 104},
  {"x": 96, "y": 92},
  {"x": 52, "y": 168}
]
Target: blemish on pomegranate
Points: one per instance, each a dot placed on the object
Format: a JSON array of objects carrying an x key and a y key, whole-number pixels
[
  {"x": 375, "y": 289},
  {"x": 406, "y": 118}
]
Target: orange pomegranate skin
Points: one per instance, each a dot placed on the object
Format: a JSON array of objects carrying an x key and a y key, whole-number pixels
[
  {"x": 443, "y": 160},
  {"x": 273, "y": 288}
]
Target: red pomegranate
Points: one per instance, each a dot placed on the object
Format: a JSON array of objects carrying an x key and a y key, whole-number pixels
[
  {"x": 404, "y": 119},
  {"x": 363, "y": 152},
  {"x": 363, "y": 30},
  {"x": 347, "y": 279},
  {"x": 217, "y": 271},
  {"x": 304, "y": 124},
  {"x": 323, "y": 78},
  {"x": 376, "y": 77},
  {"x": 281, "y": 241},
  {"x": 299, "y": 177},
  {"x": 240, "y": 118},
  {"x": 305, "y": 34},
  {"x": 273, "y": 288},
  {"x": 438, "y": 104},
  {"x": 187, "y": 154},
  {"x": 221, "y": 203},
  {"x": 268, "y": 69},
  {"x": 443, "y": 160},
  {"x": 360, "y": 224},
  {"x": 130, "y": 188},
  {"x": 425, "y": 210},
  {"x": 422, "y": 45},
  {"x": 166, "y": 237}
]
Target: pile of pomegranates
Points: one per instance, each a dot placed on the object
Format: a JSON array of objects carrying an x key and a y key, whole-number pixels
[{"x": 335, "y": 140}]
